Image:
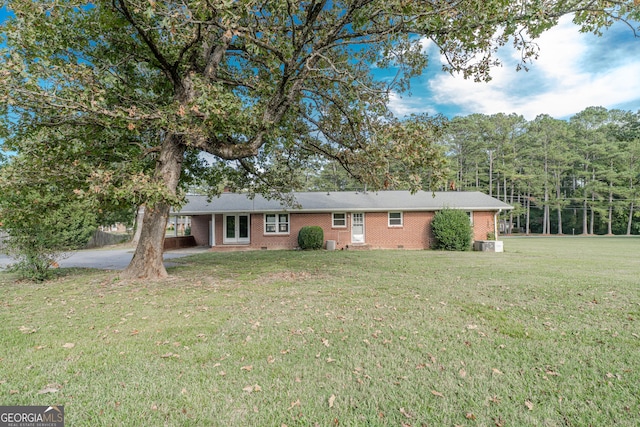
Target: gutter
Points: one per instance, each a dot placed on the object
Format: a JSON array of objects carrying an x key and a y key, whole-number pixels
[{"x": 337, "y": 209}]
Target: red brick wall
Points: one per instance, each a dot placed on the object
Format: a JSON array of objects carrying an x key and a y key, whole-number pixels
[
  {"x": 415, "y": 233},
  {"x": 218, "y": 229},
  {"x": 200, "y": 229},
  {"x": 259, "y": 239},
  {"x": 482, "y": 225}
]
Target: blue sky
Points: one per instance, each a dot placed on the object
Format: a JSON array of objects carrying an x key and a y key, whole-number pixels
[{"x": 574, "y": 71}]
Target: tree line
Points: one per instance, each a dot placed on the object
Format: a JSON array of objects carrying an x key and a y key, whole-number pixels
[{"x": 575, "y": 176}]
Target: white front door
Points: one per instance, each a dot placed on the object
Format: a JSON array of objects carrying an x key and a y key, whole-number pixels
[
  {"x": 236, "y": 228},
  {"x": 357, "y": 228}
]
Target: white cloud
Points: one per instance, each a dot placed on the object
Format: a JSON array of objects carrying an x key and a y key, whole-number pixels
[
  {"x": 407, "y": 105},
  {"x": 574, "y": 71}
]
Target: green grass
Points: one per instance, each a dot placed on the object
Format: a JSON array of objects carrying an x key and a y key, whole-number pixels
[{"x": 545, "y": 334}]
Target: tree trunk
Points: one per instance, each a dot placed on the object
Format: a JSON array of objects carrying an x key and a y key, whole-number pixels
[
  {"x": 610, "y": 217},
  {"x": 504, "y": 188},
  {"x": 546, "y": 221},
  {"x": 528, "y": 214},
  {"x": 510, "y": 229},
  {"x": 560, "y": 231},
  {"x": 138, "y": 225},
  {"x": 490, "y": 173},
  {"x": 147, "y": 259},
  {"x": 593, "y": 217},
  {"x": 584, "y": 217},
  {"x": 630, "y": 219}
]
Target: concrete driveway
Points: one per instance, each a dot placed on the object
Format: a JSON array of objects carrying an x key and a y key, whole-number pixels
[{"x": 109, "y": 258}]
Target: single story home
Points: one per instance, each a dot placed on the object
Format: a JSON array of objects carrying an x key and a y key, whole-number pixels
[{"x": 385, "y": 219}]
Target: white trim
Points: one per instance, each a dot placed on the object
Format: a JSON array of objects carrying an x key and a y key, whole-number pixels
[
  {"x": 237, "y": 239},
  {"x": 401, "y": 219},
  {"x": 333, "y": 220},
  {"x": 355, "y": 237},
  {"x": 278, "y": 224},
  {"x": 212, "y": 231}
]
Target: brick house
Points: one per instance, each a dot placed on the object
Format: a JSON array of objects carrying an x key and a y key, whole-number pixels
[{"x": 385, "y": 219}]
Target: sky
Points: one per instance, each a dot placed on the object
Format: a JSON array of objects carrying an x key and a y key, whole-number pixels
[{"x": 574, "y": 71}]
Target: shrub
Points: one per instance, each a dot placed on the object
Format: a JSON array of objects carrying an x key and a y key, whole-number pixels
[
  {"x": 311, "y": 237},
  {"x": 452, "y": 230},
  {"x": 43, "y": 219},
  {"x": 38, "y": 240}
]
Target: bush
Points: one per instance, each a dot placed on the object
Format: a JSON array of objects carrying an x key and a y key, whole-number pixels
[
  {"x": 39, "y": 240},
  {"x": 452, "y": 230},
  {"x": 43, "y": 219},
  {"x": 311, "y": 237}
]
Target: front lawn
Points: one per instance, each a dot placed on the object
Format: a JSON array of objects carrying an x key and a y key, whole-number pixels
[{"x": 545, "y": 334}]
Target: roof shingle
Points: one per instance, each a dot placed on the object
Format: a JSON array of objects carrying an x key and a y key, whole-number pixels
[{"x": 345, "y": 201}]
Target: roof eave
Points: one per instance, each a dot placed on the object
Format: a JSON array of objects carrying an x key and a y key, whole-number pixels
[{"x": 302, "y": 210}]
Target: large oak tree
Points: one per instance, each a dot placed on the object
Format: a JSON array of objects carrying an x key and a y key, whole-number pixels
[{"x": 258, "y": 85}]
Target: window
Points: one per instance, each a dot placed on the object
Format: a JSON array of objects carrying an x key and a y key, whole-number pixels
[
  {"x": 339, "y": 220},
  {"x": 470, "y": 213},
  {"x": 276, "y": 223},
  {"x": 395, "y": 219}
]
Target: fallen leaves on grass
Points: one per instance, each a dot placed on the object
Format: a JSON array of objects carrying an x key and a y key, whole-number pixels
[
  {"x": 68, "y": 345},
  {"x": 332, "y": 399},
  {"x": 437, "y": 393},
  {"x": 169, "y": 355},
  {"x": 294, "y": 404},
  {"x": 247, "y": 368},
  {"x": 405, "y": 413},
  {"x": 252, "y": 388},
  {"x": 26, "y": 330},
  {"x": 528, "y": 404},
  {"x": 50, "y": 388}
]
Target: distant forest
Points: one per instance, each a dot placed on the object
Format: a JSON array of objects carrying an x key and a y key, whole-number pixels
[{"x": 576, "y": 176}]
